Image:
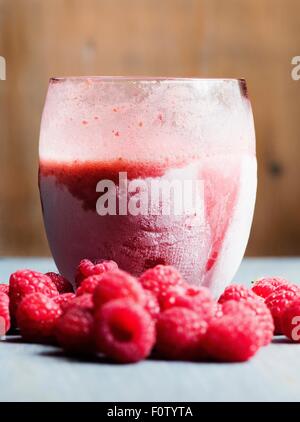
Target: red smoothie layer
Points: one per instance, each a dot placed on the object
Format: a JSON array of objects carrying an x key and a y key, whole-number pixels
[
  {"x": 76, "y": 231},
  {"x": 81, "y": 178}
]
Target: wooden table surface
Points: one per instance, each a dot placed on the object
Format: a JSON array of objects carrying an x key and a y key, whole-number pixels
[{"x": 30, "y": 372}]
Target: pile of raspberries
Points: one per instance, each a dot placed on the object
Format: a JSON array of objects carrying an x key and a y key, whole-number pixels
[{"x": 128, "y": 319}]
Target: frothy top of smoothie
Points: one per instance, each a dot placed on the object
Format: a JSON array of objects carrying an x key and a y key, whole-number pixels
[{"x": 94, "y": 119}]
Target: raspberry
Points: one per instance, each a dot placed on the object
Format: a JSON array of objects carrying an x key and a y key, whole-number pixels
[
  {"x": 64, "y": 299},
  {"x": 4, "y": 288},
  {"x": 74, "y": 330},
  {"x": 198, "y": 299},
  {"x": 279, "y": 300},
  {"x": 4, "y": 314},
  {"x": 117, "y": 285},
  {"x": 124, "y": 331},
  {"x": 264, "y": 286},
  {"x": 259, "y": 309},
  {"x": 89, "y": 284},
  {"x": 24, "y": 282},
  {"x": 151, "y": 305},
  {"x": 179, "y": 334},
  {"x": 87, "y": 268},
  {"x": 61, "y": 283},
  {"x": 169, "y": 298},
  {"x": 237, "y": 292},
  {"x": 217, "y": 310},
  {"x": 290, "y": 320},
  {"x": 160, "y": 279},
  {"x": 84, "y": 301},
  {"x": 183, "y": 295},
  {"x": 36, "y": 317},
  {"x": 232, "y": 338}
]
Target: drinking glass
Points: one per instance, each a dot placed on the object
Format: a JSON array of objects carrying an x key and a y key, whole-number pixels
[{"x": 148, "y": 171}]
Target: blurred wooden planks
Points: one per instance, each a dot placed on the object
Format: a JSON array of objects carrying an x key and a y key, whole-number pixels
[{"x": 251, "y": 38}]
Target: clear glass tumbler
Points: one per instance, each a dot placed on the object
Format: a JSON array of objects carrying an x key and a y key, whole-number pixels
[{"x": 149, "y": 171}]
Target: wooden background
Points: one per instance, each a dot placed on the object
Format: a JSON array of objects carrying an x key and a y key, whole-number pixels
[{"x": 218, "y": 38}]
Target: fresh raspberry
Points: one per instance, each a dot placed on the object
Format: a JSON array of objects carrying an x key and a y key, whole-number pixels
[
  {"x": 74, "y": 330},
  {"x": 87, "y": 268},
  {"x": 24, "y": 282},
  {"x": 61, "y": 283},
  {"x": 192, "y": 290},
  {"x": 64, "y": 299},
  {"x": 217, "y": 310},
  {"x": 232, "y": 338},
  {"x": 4, "y": 314},
  {"x": 84, "y": 301},
  {"x": 236, "y": 292},
  {"x": 89, "y": 284},
  {"x": 4, "y": 288},
  {"x": 151, "y": 305},
  {"x": 264, "y": 286},
  {"x": 179, "y": 334},
  {"x": 117, "y": 285},
  {"x": 36, "y": 317},
  {"x": 290, "y": 320},
  {"x": 186, "y": 296},
  {"x": 259, "y": 309},
  {"x": 256, "y": 306},
  {"x": 171, "y": 296},
  {"x": 160, "y": 279},
  {"x": 124, "y": 331},
  {"x": 279, "y": 300},
  {"x": 197, "y": 299}
]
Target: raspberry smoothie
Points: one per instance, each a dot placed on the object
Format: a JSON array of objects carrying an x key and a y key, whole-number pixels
[{"x": 103, "y": 131}]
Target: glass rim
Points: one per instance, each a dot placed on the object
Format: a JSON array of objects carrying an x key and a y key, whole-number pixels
[{"x": 141, "y": 79}]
